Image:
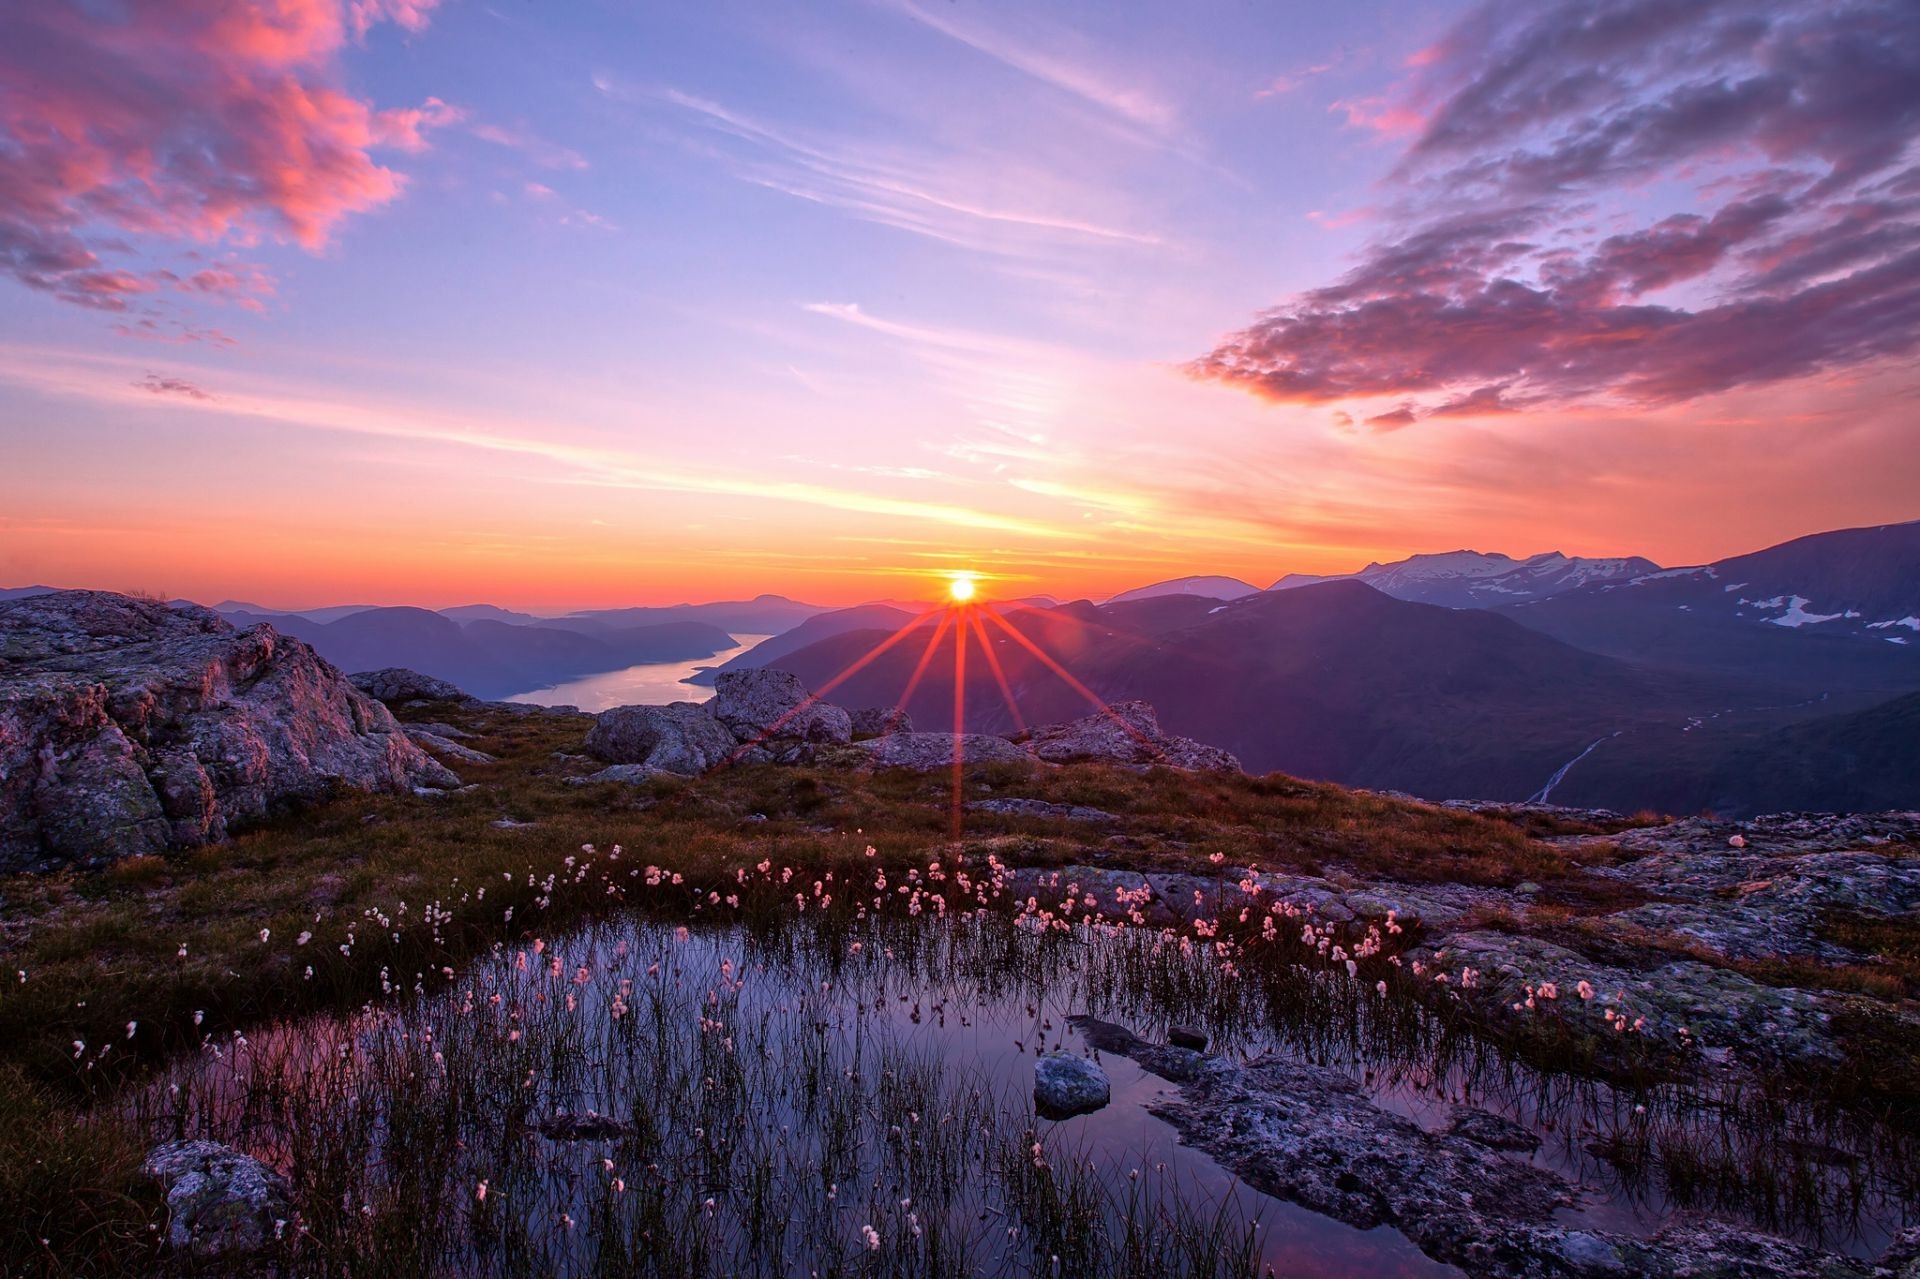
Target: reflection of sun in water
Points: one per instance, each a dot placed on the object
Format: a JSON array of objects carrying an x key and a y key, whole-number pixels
[{"x": 960, "y": 587}]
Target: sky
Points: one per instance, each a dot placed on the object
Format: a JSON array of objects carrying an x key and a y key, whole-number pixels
[{"x": 598, "y": 303}]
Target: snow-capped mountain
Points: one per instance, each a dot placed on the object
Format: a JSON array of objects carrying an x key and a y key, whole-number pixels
[
  {"x": 1827, "y": 610},
  {"x": 1213, "y": 588},
  {"x": 1470, "y": 579}
]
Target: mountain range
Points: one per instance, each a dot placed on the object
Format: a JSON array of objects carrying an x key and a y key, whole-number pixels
[{"x": 1788, "y": 677}]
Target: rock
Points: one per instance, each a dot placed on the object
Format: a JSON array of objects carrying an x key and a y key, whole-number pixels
[
  {"x": 629, "y": 774},
  {"x": 1312, "y": 1136},
  {"x": 1187, "y": 1037},
  {"x": 442, "y": 746},
  {"x": 1714, "y": 1007},
  {"x": 767, "y": 703},
  {"x": 1125, "y": 733},
  {"x": 130, "y": 726},
  {"x": 219, "y": 1201},
  {"x": 928, "y": 752},
  {"x": 398, "y": 684},
  {"x": 680, "y": 737},
  {"x": 1039, "y": 808},
  {"x": 1491, "y": 1130},
  {"x": 878, "y": 721},
  {"x": 1736, "y": 841},
  {"x": 586, "y": 1126},
  {"x": 508, "y": 823},
  {"x": 1065, "y": 1085},
  {"x": 439, "y": 729}
]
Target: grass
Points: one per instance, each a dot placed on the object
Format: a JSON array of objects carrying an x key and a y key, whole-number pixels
[{"x": 402, "y": 893}]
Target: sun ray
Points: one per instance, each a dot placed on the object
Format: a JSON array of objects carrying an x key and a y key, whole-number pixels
[
  {"x": 999, "y": 673},
  {"x": 1098, "y": 702},
  {"x": 926, "y": 659},
  {"x": 959, "y": 710},
  {"x": 853, "y": 668}
]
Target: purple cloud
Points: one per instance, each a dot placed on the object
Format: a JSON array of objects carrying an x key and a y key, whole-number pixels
[
  {"x": 1797, "y": 249},
  {"x": 171, "y": 386}
]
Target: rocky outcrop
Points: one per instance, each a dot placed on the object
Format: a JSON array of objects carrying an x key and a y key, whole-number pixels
[
  {"x": 1313, "y": 1136},
  {"x": 878, "y": 721},
  {"x": 680, "y": 737},
  {"x": 1125, "y": 733},
  {"x": 398, "y": 684},
  {"x": 1039, "y": 808},
  {"x": 131, "y": 726},
  {"x": 220, "y": 1203},
  {"x": 765, "y": 703},
  {"x": 928, "y": 752}
]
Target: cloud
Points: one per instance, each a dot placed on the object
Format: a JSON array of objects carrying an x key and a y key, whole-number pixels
[
  {"x": 171, "y": 386},
  {"x": 1130, "y": 103},
  {"x": 184, "y": 120},
  {"x": 518, "y": 137},
  {"x": 1507, "y": 282}
]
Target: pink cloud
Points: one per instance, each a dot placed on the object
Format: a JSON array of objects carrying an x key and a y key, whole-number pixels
[
  {"x": 1495, "y": 292},
  {"x": 191, "y": 120}
]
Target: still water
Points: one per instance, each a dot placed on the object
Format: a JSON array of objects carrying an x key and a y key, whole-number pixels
[{"x": 648, "y": 684}]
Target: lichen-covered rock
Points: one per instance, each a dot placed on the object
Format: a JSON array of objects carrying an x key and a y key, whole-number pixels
[
  {"x": 219, "y": 1201},
  {"x": 767, "y": 703},
  {"x": 926, "y": 752},
  {"x": 1125, "y": 733},
  {"x": 446, "y": 746},
  {"x": 1065, "y": 1085},
  {"x": 132, "y": 726},
  {"x": 878, "y": 721},
  {"x": 680, "y": 737},
  {"x": 398, "y": 684},
  {"x": 1039, "y": 808}
]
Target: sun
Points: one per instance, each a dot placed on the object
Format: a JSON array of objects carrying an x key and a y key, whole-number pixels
[{"x": 960, "y": 588}]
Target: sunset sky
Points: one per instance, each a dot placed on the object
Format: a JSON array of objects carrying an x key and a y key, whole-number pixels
[{"x": 596, "y": 302}]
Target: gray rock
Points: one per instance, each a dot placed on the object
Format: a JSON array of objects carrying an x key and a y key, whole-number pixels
[
  {"x": 1039, "y": 808},
  {"x": 1065, "y": 1085},
  {"x": 1491, "y": 1130},
  {"x": 444, "y": 746},
  {"x": 766, "y": 703},
  {"x": 928, "y": 752},
  {"x": 1187, "y": 1037},
  {"x": 1125, "y": 733},
  {"x": 878, "y": 721},
  {"x": 398, "y": 684},
  {"x": 1312, "y": 1136},
  {"x": 680, "y": 737},
  {"x": 587, "y": 1126},
  {"x": 130, "y": 726},
  {"x": 219, "y": 1201}
]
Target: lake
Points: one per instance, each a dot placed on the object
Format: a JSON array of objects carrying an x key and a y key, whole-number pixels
[{"x": 648, "y": 684}]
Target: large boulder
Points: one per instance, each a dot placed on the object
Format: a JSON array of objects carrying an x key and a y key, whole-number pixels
[
  {"x": 219, "y": 1201},
  {"x": 680, "y": 737},
  {"x": 767, "y": 703},
  {"x": 1126, "y": 733},
  {"x": 133, "y": 726},
  {"x": 398, "y": 684},
  {"x": 1066, "y": 1085},
  {"x": 879, "y": 721},
  {"x": 927, "y": 752}
]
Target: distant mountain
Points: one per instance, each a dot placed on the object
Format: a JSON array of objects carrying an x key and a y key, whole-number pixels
[
  {"x": 1828, "y": 612},
  {"x": 488, "y": 612},
  {"x": 330, "y": 613},
  {"x": 22, "y": 592},
  {"x": 486, "y": 657},
  {"x": 1216, "y": 588},
  {"x": 883, "y": 618},
  {"x": 761, "y": 615},
  {"x": 1339, "y": 682},
  {"x": 1469, "y": 579}
]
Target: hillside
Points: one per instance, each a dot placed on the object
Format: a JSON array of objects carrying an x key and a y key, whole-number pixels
[{"x": 1335, "y": 681}]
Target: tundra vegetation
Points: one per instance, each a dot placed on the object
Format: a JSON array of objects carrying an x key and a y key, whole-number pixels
[{"x": 775, "y": 1020}]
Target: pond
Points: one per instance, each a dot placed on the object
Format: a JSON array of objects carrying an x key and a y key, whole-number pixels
[
  {"x": 794, "y": 1086},
  {"x": 645, "y": 684}
]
